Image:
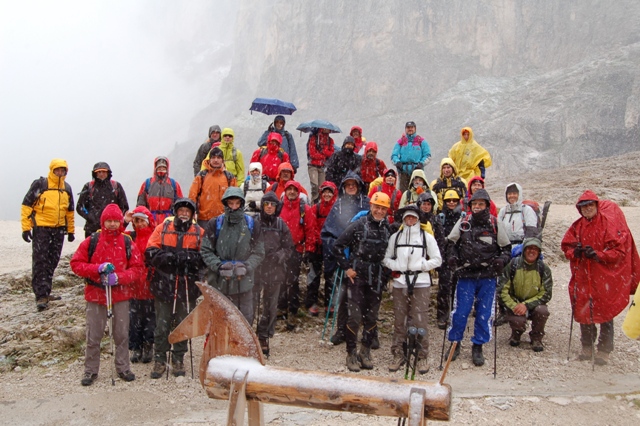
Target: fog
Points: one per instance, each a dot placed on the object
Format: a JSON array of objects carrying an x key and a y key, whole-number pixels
[{"x": 91, "y": 81}]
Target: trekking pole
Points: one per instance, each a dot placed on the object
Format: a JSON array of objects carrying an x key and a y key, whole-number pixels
[
  {"x": 495, "y": 337},
  {"x": 418, "y": 346},
  {"x": 407, "y": 349},
  {"x": 446, "y": 367},
  {"x": 110, "y": 324},
  {"x": 186, "y": 295},
  {"x": 572, "y": 316},
  {"x": 173, "y": 314},
  {"x": 591, "y": 323},
  {"x": 326, "y": 317},
  {"x": 337, "y": 304}
]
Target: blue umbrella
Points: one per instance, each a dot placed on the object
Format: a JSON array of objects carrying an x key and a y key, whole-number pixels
[
  {"x": 309, "y": 126},
  {"x": 272, "y": 106}
]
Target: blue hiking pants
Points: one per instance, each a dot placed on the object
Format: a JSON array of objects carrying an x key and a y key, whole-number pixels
[{"x": 468, "y": 290}]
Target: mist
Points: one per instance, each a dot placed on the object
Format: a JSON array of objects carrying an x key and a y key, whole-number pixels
[{"x": 91, "y": 81}]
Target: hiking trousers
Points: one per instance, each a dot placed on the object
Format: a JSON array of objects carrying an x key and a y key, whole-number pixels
[
  {"x": 165, "y": 322},
  {"x": 290, "y": 291},
  {"x": 415, "y": 307},
  {"x": 46, "y": 247},
  {"x": 363, "y": 304},
  {"x": 142, "y": 322},
  {"x": 96, "y": 323},
  {"x": 588, "y": 334},
  {"x": 316, "y": 177},
  {"x": 467, "y": 291},
  {"x": 446, "y": 288},
  {"x": 538, "y": 318}
]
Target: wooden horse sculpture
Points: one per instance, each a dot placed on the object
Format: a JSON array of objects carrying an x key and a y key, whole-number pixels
[{"x": 232, "y": 368}]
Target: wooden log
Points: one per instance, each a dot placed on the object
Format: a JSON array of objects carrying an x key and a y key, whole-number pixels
[{"x": 378, "y": 396}]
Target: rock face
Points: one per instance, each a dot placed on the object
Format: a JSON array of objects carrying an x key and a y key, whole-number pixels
[{"x": 542, "y": 83}]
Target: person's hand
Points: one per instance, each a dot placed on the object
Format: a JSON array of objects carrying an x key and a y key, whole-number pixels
[
  {"x": 71, "y": 237},
  {"x": 26, "y": 235},
  {"x": 590, "y": 253},
  {"x": 106, "y": 268},
  {"x": 226, "y": 270},
  {"x": 452, "y": 262},
  {"x": 578, "y": 252},
  {"x": 351, "y": 274},
  {"x": 128, "y": 216},
  {"x": 110, "y": 279},
  {"x": 240, "y": 269},
  {"x": 497, "y": 264},
  {"x": 520, "y": 309}
]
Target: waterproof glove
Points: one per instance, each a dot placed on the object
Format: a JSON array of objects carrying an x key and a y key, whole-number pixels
[
  {"x": 182, "y": 258},
  {"x": 590, "y": 253},
  {"x": 71, "y": 237},
  {"x": 578, "y": 252},
  {"x": 226, "y": 270},
  {"x": 106, "y": 268},
  {"x": 452, "y": 262},
  {"x": 497, "y": 264},
  {"x": 240, "y": 269},
  {"x": 110, "y": 279},
  {"x": 26, "y": 235}
]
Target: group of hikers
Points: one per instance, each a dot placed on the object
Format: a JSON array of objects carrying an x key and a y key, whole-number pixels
[{"x": 363, "y": 228}]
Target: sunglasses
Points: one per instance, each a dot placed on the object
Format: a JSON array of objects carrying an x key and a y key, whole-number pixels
[{"x": 270, "y": 203}]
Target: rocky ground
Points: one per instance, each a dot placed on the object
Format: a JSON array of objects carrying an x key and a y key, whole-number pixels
[{"x": 41, "y": 354}]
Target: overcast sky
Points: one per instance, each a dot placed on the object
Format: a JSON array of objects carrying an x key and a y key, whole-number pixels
[{"x": 88, "y": 81}]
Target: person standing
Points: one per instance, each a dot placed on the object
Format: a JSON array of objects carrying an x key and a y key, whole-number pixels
[
  {"x": 519, "y": 219},
  {"x": 388, "y": 186},
  {"x": 525, "y": 288},
  {"x": 288, "y": 144},
  {"x": 470, "y": 157},
  {"x": 478, "y": 249},
  {"x": 254, "y": 188},
  {"x": 212, "y": 141},
  {"x": 271, "y": 157},
  {"x": 108, "y": 258},
  {"x": 174, "y": 253},
  {"x": 605, "y": 269},
  {"x": 371, "y": 167},
  {"x": 46, "y": 216},
  {"x": 366, "y": 241},
  {"x": 448, "y": 180},
  {"x": 343, "y": 161},
  {"x": 233, "y": 161},
  {"x": 412, "y": 253},
  {"x": 142, "y": 314},
  {"x": 270, "y": 275},
  {"x": 97, "y": 194},
  {"x": 232, "y": 251},
  {"x": 159, "y": 192},
  {"x": 411, "y": 152},
  {"x": 209, "y": 186},
  {"x": 320, "y": 148}
]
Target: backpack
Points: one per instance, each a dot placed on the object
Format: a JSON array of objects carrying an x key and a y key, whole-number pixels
[
  {"x": 114, "y": 186},
  {"x": 165, "y": 229},
  {"x": 264, "y": 151},
  {"x": 147, "y": 183},
  {"x": 93, "y": 243},
  {"x": 518, "y": 259},
  {"x": 246, "y": 188},
  {"x": 220, "y": 219}
]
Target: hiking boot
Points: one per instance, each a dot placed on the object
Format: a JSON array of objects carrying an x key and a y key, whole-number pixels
[
  {"x": 136, "y": 356},
  {"x": 442, "y": 324},
  {"x": 314, "y": 310},
  {"x": 147, "y": 352},
  {"x": 51, "y": 297},
  {"x": 127, "y": 376},
  {"x": 422, "y": 366},
  {"x": 337, "y": 338},
  {"x": 364, "y": 357},
  {"x": 514, "y": 340},
  {"x": 456, "y": 352},
  {"x": 177, "y": 367},
  {"x": 264, "y": 345},
  {"x": 375, "y": 343},
  {"x": 585, "y": 355},
  {"x": 536, "y": 346},
  {"x": 398, "y": 361},
  {"x": 42, "y": 303},
  {"x": 281, "y": 314},
  {"x": 476, "y": 355},
  {"x": 88, "y": 379},
  {"x": 602, "y": 358},
  {"x": 352, "y": 361},
  {"x": 158, "y": 369}
]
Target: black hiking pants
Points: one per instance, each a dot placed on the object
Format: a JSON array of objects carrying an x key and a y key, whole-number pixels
[
  {"x": 363, "y": 304},
  {"x": 142, "y": 322},
  {"x": 446, "y": 290},
  {"x": 46, "y": 249},
  {"x": 290, "y": 292}
]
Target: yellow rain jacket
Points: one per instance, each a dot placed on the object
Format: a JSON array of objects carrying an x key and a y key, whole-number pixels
[
  {"x": 631, "y": 324},
  {"x": 49, "y": 202},
  {"x": 467, "y": 155}
]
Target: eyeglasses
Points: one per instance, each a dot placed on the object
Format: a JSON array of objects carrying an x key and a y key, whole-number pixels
[{"x": 270, "y": 203}]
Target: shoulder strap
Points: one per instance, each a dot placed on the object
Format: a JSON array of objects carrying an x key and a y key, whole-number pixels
[
  {"x": 219, "y": 221},
  {"x": 93, "y": 243},
  {"x": 147, "y": 184},
  {"x": 245, "y": 187},
  {"x": 127, "y": 245},
  {"x": 250, "y": 223},
  {"x": 229, "y": 176},
  {"x": 302, "y": 204}
]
